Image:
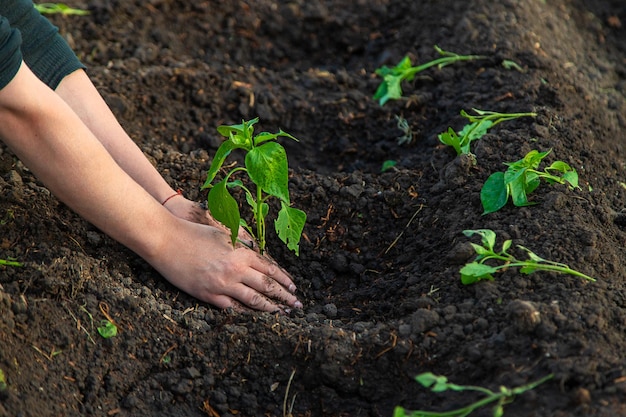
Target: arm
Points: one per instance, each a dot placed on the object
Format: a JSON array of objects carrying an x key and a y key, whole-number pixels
[{"x": 52, "y": 140}]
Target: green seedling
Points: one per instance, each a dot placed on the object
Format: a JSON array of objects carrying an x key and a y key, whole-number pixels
[
  {"x": 478, "y": 270},
  {"x": 3, "y": 381},
  {"x": 10, "y": 262},
  {"x": 391, "y": 89},
  {"x": 403, "y": 125},
  {"x": 59, "y": 8},
  {"x": 107, "y": 329},
  {"x": 438, "y": 383},
  {"x": 387, "y": 165},
  {"x": 522, "y": 178},
  {"x": 266, "y": 166},
  {"x": 476, "y": 128}
]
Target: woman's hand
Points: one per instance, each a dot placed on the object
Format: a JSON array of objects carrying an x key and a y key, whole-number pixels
[{"x": 200, "y": 260}]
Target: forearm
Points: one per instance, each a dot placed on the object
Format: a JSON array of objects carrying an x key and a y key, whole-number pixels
[
  {"x": 53, "y": 142},
  {"x": 80, "y": 94}
]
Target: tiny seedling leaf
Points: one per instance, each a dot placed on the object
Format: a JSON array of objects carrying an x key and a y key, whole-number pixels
[
  {"x": 107, "y": 329},
  {"x": 494, "y": 193}
]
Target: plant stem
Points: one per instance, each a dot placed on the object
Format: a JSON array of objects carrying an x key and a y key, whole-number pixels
[{"x": 260, "y": 219}]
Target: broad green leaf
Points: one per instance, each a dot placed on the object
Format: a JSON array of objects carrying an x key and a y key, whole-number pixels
[
  {"x": 224, "y": 209},
  {"x": 218, "y": 160},
  {"x": 267, "y": 168},
  {"x": 559, "y": 166},
  {"x": 572, "y": 178},
  {"x": 506, "y": 245},
  {"x": 494, "y": 193},
  {"x": 289, "y": 226},
  {"x": 517, "y": 191},
  {"x": 474, "y": 272}
]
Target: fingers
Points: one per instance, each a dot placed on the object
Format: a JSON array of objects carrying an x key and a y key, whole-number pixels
[{"x": 271, "y": 269}]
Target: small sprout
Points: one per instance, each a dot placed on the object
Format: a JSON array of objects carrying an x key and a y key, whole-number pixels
[
  {"x": 3, "y": 381},
  {"x": 512, "y": 65},
  {"x": 439, "y": 383},
  {"x": 403, "y": 125},
  {"x": 522, "y": 178},
  {"x": 10, "y": 262},
  {"x": 387, "y": 165},
  {"x": 59, "y": 8},
  {"x": 478, "y": 270},
  {"x": 390, "y": 88},
  {"x": 476, "y": 128},
  {"x": 107, "y": 329},
  {"x": 266, "y": 166}
]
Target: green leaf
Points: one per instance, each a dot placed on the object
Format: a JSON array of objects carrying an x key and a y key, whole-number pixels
[
  {"x": 265, "y": 136},
  {"x": 474, "y": 272},
  {"x": 494, "y": 193},
  {"x": 387, "y": 165},
  {"x": 451, "y": 138},
  {"x": 224, "y": 209},
  {"x": 107, "y": 329},
  {"x": 572, "y": 178},
  {"x": 487, "y": 236},
  {"x": 517, "y": 190},
  {"x": 289, "y": 226},
  {"x": 428, "y": 379},
  {"x": 218, "y": 160},
  {"x": 267, "y": 168}
]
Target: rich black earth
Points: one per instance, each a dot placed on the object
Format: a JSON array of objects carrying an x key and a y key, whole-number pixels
[{"x": 379, "y": 264}]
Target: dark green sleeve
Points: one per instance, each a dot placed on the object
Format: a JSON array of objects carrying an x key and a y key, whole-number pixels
[
  {"x": 10, "y": 55},
  {"x": 44, "y": 51}
]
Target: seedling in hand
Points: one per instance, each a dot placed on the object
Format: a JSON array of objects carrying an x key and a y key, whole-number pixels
[
  {"x": 476, "y": 128},
  {"x": 478, "y": 270},
  {"x": 266, "y": 166},
  {"x": 522, "y": 178},
  {"x": 390, "y": 88},
  {"x": 59, "y": 8},
  {"x": 439, "y": 383}
]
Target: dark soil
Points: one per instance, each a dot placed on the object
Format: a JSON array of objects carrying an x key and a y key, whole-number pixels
[{"x": 379, "y": 265}]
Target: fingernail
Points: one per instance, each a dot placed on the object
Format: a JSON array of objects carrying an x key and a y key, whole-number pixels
[
  {"x": 298, "y": 304},
  {"x": 292, "y": 288}
]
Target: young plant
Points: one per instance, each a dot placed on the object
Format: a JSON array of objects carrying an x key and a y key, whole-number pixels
[
  {"x": 266, "y": 166},
  {"x": 522, "y": 178},
  {"x": 59, "y": 8},
  {"x": 439, "y": 383},
  {"x": 5, "y": 262},
  {"x": 476, "y": 128},
  {"x": 390, "y": 88},
  {"x": 478, "y": 270},
  {"x": 107, "y": 329}
]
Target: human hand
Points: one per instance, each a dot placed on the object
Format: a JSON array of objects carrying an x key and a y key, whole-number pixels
[{"x": 200, "y": 260}]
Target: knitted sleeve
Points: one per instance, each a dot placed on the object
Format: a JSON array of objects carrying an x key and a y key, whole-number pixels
[
  {"x": 44, "y": 51},
  {"x": 10, "y": 55}
]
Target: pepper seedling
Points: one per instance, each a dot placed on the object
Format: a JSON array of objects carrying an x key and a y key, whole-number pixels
[
  {"x": 476, "y": 128},
  {"x": 266, "y": 166},
  {"x": 439, "y": 383},
  {"x": 522, "y": 178},
  {"x": 390, "y": 88},
  {"x": 478, "y": 270}
]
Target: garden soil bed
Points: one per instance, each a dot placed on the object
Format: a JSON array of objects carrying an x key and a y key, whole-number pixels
[{"x": 378, "y": 270}]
